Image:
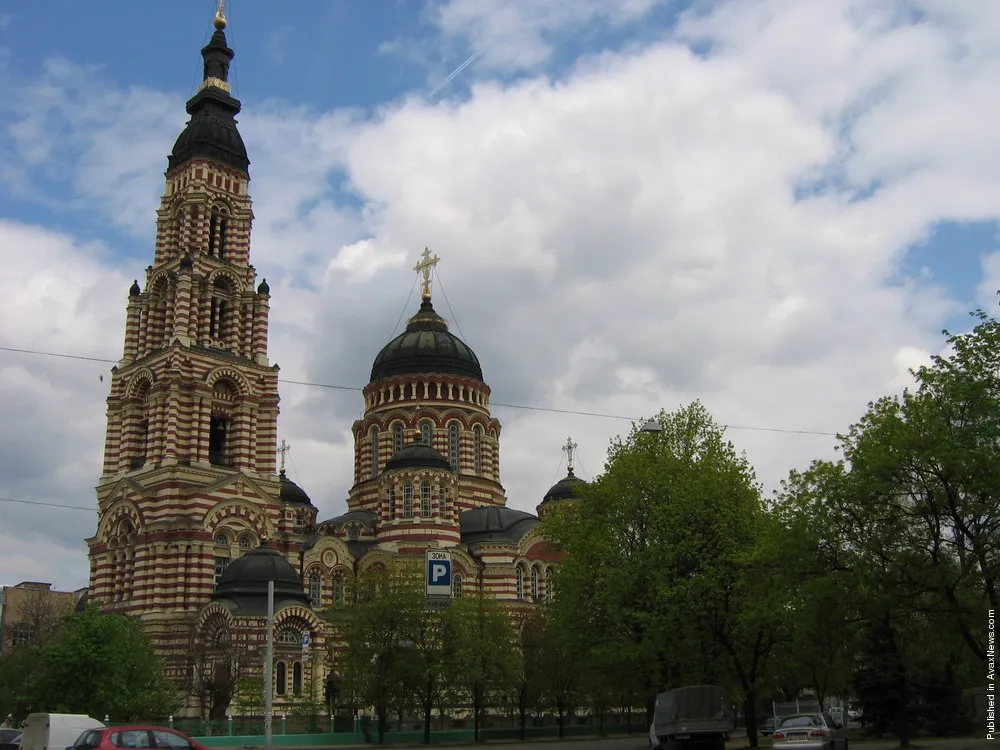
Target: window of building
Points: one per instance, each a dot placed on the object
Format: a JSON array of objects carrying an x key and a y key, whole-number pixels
[
  {"x": 519, "y": 581},
  {"x": 397, "y": 438},
  {"x": 534, "y": 584},
  {"x": 218, "y": 224},
  {"x": 218, "y": 441},
  {"x": 315, "y": 588},
  {"x": 20, "y": 635},
  {"x": 374, "y": 454},
  {"x": 245, "y": 543},
  {"x": 222, "y": 540},
  {"x": 217, "y": 317},
  {"x": 456, "y": 586},
  {"x": 477, "y": 449},
  {"x": 425, "y": 500},
  {"x": 280, "y": 678},
  {"x": 392, "y": 502},
  {"x": 297, "y": 678},
  {"x": 426, "y": 433},
  {"x": 338, "y": 588},
  {"x": 141, "y": 442},
  {"x": 221, "y": 563},
  {"x": 407, "y": 500},
  {"x": 453, "y": 446},
  {"x": 288, "y": 637}
]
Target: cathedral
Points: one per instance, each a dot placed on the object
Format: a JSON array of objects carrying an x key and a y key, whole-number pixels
[{"x": 195, "y": 513}]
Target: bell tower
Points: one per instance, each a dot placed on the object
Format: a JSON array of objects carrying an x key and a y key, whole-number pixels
[{"x": 189, "y": 479}]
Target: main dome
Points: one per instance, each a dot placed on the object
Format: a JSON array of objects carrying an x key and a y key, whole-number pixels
[{"x": 426, "y": 346}]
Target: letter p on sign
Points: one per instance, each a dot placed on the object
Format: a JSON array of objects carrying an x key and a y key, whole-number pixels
[{"x": 438, "y": 573}]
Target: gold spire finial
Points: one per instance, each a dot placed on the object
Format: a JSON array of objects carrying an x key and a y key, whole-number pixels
[
  {"x": 424, "y": 268},
  {"x": 220, "y": 16}
]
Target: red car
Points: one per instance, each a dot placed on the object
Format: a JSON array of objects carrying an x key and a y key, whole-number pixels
[{"x": 137, "y": 737}]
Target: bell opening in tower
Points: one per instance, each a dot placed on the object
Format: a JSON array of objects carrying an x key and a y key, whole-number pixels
[
  {"x": 141, "y": 439},
  {"x": 218, "y": 441}
]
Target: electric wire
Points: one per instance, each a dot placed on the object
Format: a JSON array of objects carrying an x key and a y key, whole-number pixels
[
  {"x": 448, "y": 303},
  {"x": 547, "y": 409},
  {"x": 47, "y": 505}
]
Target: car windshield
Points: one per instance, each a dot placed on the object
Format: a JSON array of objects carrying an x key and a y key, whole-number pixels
[{"x": 808, "y": 720}]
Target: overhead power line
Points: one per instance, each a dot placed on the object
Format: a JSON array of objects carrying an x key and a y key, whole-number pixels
[
  {"x": 47, "y": 505},
  {"x": 549, "y": 409}
]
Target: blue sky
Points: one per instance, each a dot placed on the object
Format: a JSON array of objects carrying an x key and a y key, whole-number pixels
[{"x": 615, "y": 188}]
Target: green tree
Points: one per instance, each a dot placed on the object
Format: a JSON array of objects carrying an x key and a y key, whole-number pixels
[
  {"x": 654, "y": 547},
  {"x": 100, "y": 664},
  {"x": 485, "y": 661}
]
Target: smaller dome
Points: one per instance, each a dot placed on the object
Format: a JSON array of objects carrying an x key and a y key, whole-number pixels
[
  {"x": 263, "y": 287},
  {"x": 244, "y": 581},
  {"x": 564, "y": 488},
  {"x": 291, "y": 492},
  {"x": 187, "y": 262},
  {"x": 417, "y": 456},
  {"x": 489, "y": 523},
  {"x": 134, "y": 290}
]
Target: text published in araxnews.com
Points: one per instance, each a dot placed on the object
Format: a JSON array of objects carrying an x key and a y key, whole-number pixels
[{"x": 991, "y": 675}]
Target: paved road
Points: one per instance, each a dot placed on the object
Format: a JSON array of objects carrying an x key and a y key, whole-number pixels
[{"x": 635, "y": 742}]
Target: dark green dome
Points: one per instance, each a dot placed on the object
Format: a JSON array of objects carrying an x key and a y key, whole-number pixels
[
  {"x": 426, "y": 346},
  {"x": 564, "y": 488},
  {"x": 291, "y": 492},
  {"x": 418, "y": 456},
  {"x": 244, "y": 581}
]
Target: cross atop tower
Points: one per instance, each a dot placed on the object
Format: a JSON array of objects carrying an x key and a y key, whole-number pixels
[
  {"x": 424, "y": 267},
  {"x": 569, "y": 449},
  {"x": 284, "y": 447}
]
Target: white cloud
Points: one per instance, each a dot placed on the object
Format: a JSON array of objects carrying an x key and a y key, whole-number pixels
[
  {"x": 657, "y": 226},
  {"x": 518, "y": 34}
]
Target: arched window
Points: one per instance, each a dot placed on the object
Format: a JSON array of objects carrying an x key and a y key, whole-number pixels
[
  {"x": 392, "y": 502},
  {"x": 221, "y": 563},
  {"x": 315, "y": 588},
  {"x": 477, "y": 449},
  {"x": 338, "y": 588},
  {"x": 426, "y": 433},
  {"x": 453, "y": 445},
  {"x": 456, "y": 586},
  {"x": 519, "y": 581},
  {"x": 374, "y": 461},
  {"x": 425, "y": 500},
  {"x": 397, "y": 437},
  {"x": 218, "y": 224},
  {"x": 246, "y": 542},
  {"x": 218, "y": 440},
  {"x": 218, "y": 312},
  {"x": 280, "y": 678},
  {"x": 550, "y": 585},
  {"x": 288, "y": 637},
  {"x": 407, "y": 500},
  {"x": 221, "y": 540},
  {"x": 297, "y": 678},
  {"x": 534, "y": 584}
]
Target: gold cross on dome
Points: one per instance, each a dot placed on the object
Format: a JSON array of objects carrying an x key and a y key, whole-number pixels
[
  {"x": 283, "y": 450},
  {"x": 424, "y": 268},
  {"x": 568, "y": 449}
]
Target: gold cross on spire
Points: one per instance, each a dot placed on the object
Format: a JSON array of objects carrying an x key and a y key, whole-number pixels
[
  {"x": 220, "y": 16},
  {"x": 424, "y": 268},
  {"x": 568, "y": 449},
  {"x": 284, "y": 447}
]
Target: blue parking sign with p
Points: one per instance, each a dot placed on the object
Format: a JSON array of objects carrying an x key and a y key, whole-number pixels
[{"x": 438, "y": 568}]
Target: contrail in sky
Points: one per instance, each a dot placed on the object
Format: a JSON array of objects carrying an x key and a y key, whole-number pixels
[{"x": 455, "y": 72}]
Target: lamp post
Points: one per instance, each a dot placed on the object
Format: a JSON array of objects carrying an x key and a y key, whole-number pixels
[{"x": 269, "y": 666}]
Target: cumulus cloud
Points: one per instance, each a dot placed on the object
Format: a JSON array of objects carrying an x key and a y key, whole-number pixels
[{"x": 718, "y": 215}]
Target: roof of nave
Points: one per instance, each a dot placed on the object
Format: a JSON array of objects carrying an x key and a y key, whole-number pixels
[
  {"x": 366, "y": 517},
  {"x": 491, "y": 523}
]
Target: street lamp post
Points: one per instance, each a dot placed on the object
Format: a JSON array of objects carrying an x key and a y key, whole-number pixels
[{"x": 269, "y": 666}]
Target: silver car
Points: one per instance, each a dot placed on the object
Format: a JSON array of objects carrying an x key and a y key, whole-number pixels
[{"x": 809, "y": 732}]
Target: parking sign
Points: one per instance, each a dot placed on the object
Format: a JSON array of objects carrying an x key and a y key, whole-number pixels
[{"x": 438, "y": 572}]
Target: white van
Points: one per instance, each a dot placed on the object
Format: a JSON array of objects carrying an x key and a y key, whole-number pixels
[{"x": 55, "y": 731}]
